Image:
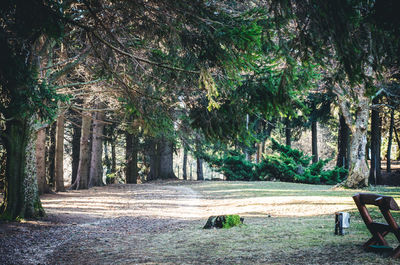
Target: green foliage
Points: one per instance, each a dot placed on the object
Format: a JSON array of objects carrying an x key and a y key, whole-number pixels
[
  {"x": 23, "y": 94},
  {"x": 231, "y": 221},
  {"x": 288, "y": 152},
  {"x": 111, "y": 178},
  {"x": 233, "y": 165},
  {"x": 286, "y": 164}
]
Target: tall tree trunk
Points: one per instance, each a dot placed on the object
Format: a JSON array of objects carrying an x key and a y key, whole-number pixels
[
  {"x": 84, "y": 155},
  {"x": 131, "y": 155},
  {"x": 246, "y": 148},
  {"x": 41, "y": 161},
  {"x": 59, "y": 159},
  {"x": 154, "y": 160},
  {"x": 343, "y": 143},
  {"x": 389, "y": 148},
  {"x": 199, "y": 169},
  {"x": 288, "y": 132},
  {"x": 184, "y": 164},
  {"x": 258, "y": 152},
  {"x": 161, "y": 159},
  {"x": 166, "y": 159},
  {"x": 398, "y": 143},
  {"x": 358, "y": 124},
  {"x": 314, "y": 140},
  {"x": 375, "y": 168},
  {"x": 76, "y": 138},
  {"x": 107, "y": 160},
  {"x": 113, "y": 154},
  {"x": 96, "y": 161},
  {"x": 21, "y": 196},
  {"x": 52, "y": 154}
]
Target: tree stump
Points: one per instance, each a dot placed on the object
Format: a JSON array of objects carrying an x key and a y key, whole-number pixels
[{"x": 218, "y": 221}]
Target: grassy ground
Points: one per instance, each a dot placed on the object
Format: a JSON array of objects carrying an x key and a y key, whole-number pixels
[
  {"x": 286, "y": 223},
  {"x": 161, "y": 223}
]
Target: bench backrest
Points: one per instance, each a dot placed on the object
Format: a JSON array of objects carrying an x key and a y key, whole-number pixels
[{"x": 385, "y": 202}]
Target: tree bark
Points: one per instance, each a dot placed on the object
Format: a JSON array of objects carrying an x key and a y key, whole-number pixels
[
  {"x": 84, "y": 155},
  {"x": 375, "y": 168},
  {"x": 113, "y": 155},
  {"x": 161, "y": 160},
  {"x": 358, "y": 124},
  {"x": 96, "y": 161},
  {"x": 314, "y": 140},
  {"x": 184, "y": 164},
  {"x": 59, "y": 157},
  {"x": 343, "y": 143},
  {"x": 21, "y": 196},
  {"x": 41, "y": 161},
  {"x": 166, "y": 159},
  {"x": 107, "y": 160},
  {"x": 258, "y": 152},
  {"x": 398, "y": 143},
  {"x": 288, "y": 132},
  {"x": 154, "y": 160},
  {"x": 52, "y": 154},
  {"x": 389, "y": 148},
  {"x": 131, "y": 156},
  {"x": 246, "y": 148},
  {"x": 76, "y": 138},
  {"x": 199, "y": 169}
]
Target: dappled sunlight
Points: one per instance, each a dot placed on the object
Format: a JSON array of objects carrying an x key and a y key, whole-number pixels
[
  {"x": 182, "y": 202},
  {"x": 127, "y": 200},
  {"x": 283, "y": 206}
]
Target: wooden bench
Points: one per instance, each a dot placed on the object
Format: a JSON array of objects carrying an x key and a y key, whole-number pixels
[{"x": 378, "y": 230}]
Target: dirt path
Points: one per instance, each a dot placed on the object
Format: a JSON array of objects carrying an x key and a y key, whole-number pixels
[{"x": 109, "y": 225}]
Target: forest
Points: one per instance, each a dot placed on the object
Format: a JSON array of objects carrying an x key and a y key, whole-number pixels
[{"x": 120, "y": 104}]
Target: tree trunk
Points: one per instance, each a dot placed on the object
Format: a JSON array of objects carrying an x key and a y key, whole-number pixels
[
  {"x": 76, "y": 138},
  {"x": 59, "y": 157},
  {"x": 358, "y": 169},
  {"x": 84, "y": 155},
  {"x": 258, "y": 152},
  {"x": 131, "y": 155},
  {"x": 166, "y": 159},
  {"x": 314, "y": 140},
  {"x": 41, "y": 161},
  {"x": 184, "y": 165},
  {"x": 398, "y": 143},
  {"x": 113, "y": 155},
  {"x": 107, "y": 160},
  {"x": 389, "y": 147},
  {"x": 96, "y": 161},
  {"x": 246, "y": 148},
  {"x": 375, "y": 168},
  {"x": 343, "y": 143},
  {"x": 52, "y": 154},
  {"x": 154, "y": 160},
  {"x": 288, "y": 133},
  {"x": 199, "y": 169},
  {"x": 21, "y": 196},
  {"x": 161, "y": 160}
]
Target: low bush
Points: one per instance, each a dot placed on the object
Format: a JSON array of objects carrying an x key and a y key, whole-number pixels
[{"x": 285, "y": 164}]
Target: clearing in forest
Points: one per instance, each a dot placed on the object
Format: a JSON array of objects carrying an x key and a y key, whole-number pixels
[{"x": 161, "y": 223}]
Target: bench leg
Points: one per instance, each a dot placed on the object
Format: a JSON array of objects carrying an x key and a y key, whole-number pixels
[
  {"x": 396, "y": 253},
  {"x": 378, "y": 238}
]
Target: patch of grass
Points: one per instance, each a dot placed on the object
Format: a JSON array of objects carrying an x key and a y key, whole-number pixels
[{"x": 288, "y": 240}]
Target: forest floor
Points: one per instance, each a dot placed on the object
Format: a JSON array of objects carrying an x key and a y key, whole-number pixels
[{"x": 161, "y": 223}]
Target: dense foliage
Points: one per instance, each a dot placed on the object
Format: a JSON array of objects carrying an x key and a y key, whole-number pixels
[{"x": 285, "y": 164}]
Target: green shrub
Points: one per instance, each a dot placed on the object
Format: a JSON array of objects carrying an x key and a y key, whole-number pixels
[
  {"x": 231, "y": 221},
  {"x": 286, "y": 164}
]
